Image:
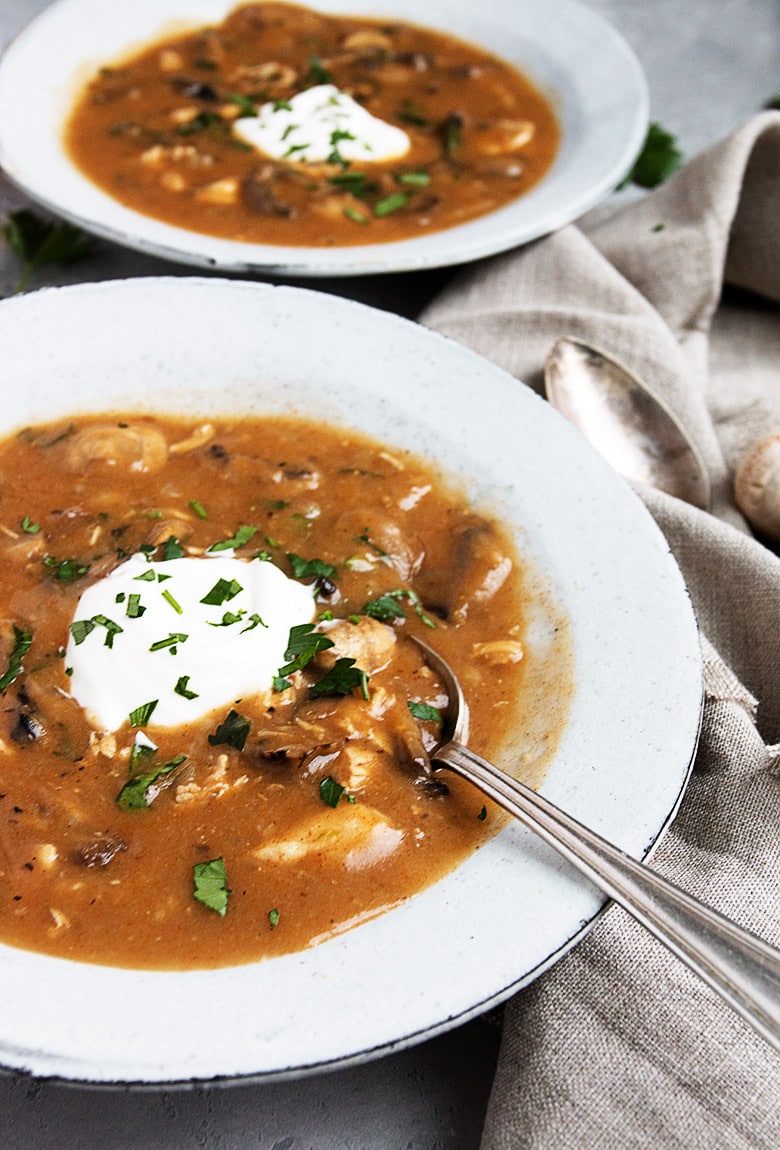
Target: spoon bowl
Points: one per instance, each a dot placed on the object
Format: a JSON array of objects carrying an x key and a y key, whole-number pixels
[
  {"x": 625, "y": 421},
  {"x": 742, "y": 968}
]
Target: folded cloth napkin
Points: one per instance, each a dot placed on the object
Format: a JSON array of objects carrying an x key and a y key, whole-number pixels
[{"x": 619, "y": 1046}]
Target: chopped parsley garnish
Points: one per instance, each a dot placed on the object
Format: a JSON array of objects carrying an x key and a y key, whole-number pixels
[
  {"x": 198, "y": 123},
  {"x": 412, "y": 113},
  {"x": 336, "y": 136},
  {"x": 310, "y": 568},
  {"x": 254, "y": 621},
  {"x": 173, "y": 549},
  {"x": 80, "y": 628},
  {"x": 242, "y": 536},
  {"x": 146, "y": 576},
  {"x": 140, "y": 792},
  {"x": 451, "y": 131},
  {"x": 386, "y": 607},
  {"x": 29, "y": 527},
  {"x": 230, "y": 617},
  {"x": 482, "y": 814},
  {"x": 141, "y": 715},
  {"x": 22, "y": 642},
  {"x": 342, "y": 678},
  {"x": 303, "y": 644},
  {"x": 354, "y": 215},
  {"x": 331, "y": 791},
  {"x": 414, "y": 179},
  {"x": 134, "y": 609},
  {"x": 210, "y": 885},
  {"x": 353, "y": 182},
  {"x": 273, "y": 917},
  {"x": 65, "y": 570},
  {"x": 182, "y": 688},
  {"x": 658, "y": 159},
  {"x": 171, "y": 643},
  {"x": 232, "y": 732},
  {"x": 424, "y": 712},
  {"x": 222, "y": 591},
  {"x": 318, "y": 74},
  {"x": 248, "y": 108},
  {"x": 39, "y": 242},
  {"x": 199, "y": 509},
  {"x": 391, "y": 203},
  {"x": 168, "y": 597}
]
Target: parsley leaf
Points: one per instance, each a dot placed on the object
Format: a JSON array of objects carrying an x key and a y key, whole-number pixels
[
  {"x": 222, "y": 591},
  {"x": 310, "y": 568},
  {"x": 232, "y": 732},
  {"x": 22, "y": 642},
  {"x": 424, "y": 712},
  {"x": 210, "y": 885},
  {"x": 242, "y": 536},
  {"x": 386, "y": 607},
  {"x": 658, "y": 159},
  {"x": 140, "y": 792},
  {"x": 342, "y": 678},
  {"x": 182, "y": 689},
  {"x": 303, "y": 644},
  {"x": 141, "y": 715},
  {"x": 331, "y": 791},
  {"x": 38, "y": 242},
  {"x": 172, "y": 549}
]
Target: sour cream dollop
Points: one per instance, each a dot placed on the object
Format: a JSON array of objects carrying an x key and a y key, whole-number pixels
[
  {"x": 144, "y": 634},
  {"x": 318, "y": 123}
]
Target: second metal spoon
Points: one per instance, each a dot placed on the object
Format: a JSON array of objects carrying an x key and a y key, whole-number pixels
[
  {"x": 744, "y": 969},
  {"x": 625, "y": 421}
]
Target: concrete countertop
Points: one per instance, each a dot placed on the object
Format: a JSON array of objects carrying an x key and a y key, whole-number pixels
[{"x": 710, "y": 64}]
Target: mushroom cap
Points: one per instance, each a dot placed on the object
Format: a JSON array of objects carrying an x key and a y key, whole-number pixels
[{"x": 757, "y": 486}]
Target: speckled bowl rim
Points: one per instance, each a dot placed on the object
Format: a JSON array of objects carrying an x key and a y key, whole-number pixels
[
  {"x": 512, "y": 909},
  {"x": 575, "y": 57}
]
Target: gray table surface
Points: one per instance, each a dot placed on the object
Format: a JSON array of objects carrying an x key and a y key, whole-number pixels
[{"x": 710, "y": 65}]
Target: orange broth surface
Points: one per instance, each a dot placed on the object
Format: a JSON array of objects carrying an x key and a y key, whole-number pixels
[
  {"x": 85, "y": 877},
  {"x": 155, "y": 130}
]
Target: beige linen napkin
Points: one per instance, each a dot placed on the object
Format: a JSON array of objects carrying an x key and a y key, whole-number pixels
[{"x": 618, "y": 1046}]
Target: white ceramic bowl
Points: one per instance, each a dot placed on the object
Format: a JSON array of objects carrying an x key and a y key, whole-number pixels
[
  {"x": 577, "y": 59},
  {"x": 210, "y": 346}
]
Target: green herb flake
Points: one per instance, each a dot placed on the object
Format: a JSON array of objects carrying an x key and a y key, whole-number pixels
[
  {"x": 39, "y": 242},
  {"x": 22, "y": 642},
  {"x": 342, "y": 679},
  {"x": 29, "y": 527},
  {"x": 141, "y": 715},
  {"x": 210, "y": 885},
  {"x": 659, "y": 158},
  {"x": 168, "y": 597},
  {"x": 80, "y": 628},
  {"x": 134, "y": 609},
  {"x": 232, "y": 732},
  {"x": 247, "y": 107},
  {"x": 65, "y": 570},
  {"x": 112, "y": 628},
  {"x": 170, "y": 643},
  {"x": 331, "y": 791},
  {"x": 303, "y": 644},
  {"x": 242, "y": 536},
  {"x": 145, "y": 576},
  {"x": 182, "y": 688},
  {"x": 140, "y": 792},
  {"x": 198, "y": 123},
  {"x": 273, "y": 918},
  {"x": 310, "y": 568},
  {"x": 199, "y": 509},
  {"x": 391, "y": 203},
  {"x": 254, "y": 621},
  {"x": 354, "y": 215},
  {"x": 424, "y": 712},
  {"x": 482, "y": 814},
  {"x": 222, "y": 591},
  {"x": 412, "y": 113},
  {"x": 317, "y": 73},
  {"x": 173, "y": 549},
  {"x": 386, "y": 607},
  {"x": 414, "y": 179}
]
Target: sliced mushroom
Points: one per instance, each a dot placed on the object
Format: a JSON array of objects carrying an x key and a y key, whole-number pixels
[
  {"x": 370, "y": 643},
  {"x": 135, "y": 447}
]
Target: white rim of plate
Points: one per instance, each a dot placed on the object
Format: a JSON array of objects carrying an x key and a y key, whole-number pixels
[
  {"x": 574, "y": 56},
  {"x": 512, "y": 909}
]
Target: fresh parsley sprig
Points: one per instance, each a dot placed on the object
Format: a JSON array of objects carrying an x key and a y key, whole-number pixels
[
  {"x": 39, "y": 242},
  {"x": 659, "y": 158}
]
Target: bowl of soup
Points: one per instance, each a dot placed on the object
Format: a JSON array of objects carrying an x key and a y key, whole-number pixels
[
  {"x": 322, "y": 139},
  {"x": 227, "y": 510}
]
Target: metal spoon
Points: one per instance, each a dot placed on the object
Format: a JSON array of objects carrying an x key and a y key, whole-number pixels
[
  {"x": 744, "y": 969},
  {"x": 625, "y": 421}
]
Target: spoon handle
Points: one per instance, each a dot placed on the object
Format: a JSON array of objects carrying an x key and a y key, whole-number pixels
[{"x": 744, "y": 969}]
